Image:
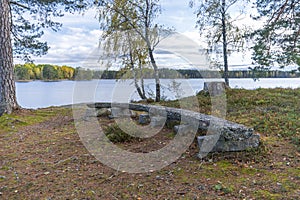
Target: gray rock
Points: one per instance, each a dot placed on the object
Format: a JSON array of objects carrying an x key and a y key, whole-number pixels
[
  {"x": 144, "y": 119},
  {"x": 90, "y": 113},
  {"x": 110, "y": 117},
  {"x": 213, "y": 143},
  {"x": 178, "y": 128},
  {"x": 103, "y": 112},
  {"x": 97, "y": 112},
  {"x": 119, "y": 112},
  {"x": 157, "y": 121},
  {"x": 214, "y": 88},
  {"x": 133, "y": 114}
]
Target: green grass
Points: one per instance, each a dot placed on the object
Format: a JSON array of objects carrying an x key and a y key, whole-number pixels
[
  {"x": 40, "y": 141},
  {"x": 272, "y": 112},
  {"x": 10, "y": 123}
]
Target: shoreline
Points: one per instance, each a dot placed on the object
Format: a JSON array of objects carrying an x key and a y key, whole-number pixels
[{"x": 209, "y": 78}]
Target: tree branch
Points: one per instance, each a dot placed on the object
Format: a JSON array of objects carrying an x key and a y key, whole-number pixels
[
  {"x": 127, "y": 19},
  {"x": 278, "y": 12},
  {"x": 18, "y": 4}
]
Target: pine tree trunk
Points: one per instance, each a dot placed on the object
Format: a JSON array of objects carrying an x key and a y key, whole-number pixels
[
  {"x": 224, "y": 34},
  {"x": 8, "y": 101}
]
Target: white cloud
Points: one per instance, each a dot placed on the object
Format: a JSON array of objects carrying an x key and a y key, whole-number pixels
[{"x": 80, "y": 36}]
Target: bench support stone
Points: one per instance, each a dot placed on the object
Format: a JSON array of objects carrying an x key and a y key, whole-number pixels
[{"x": 223, "y": 145}]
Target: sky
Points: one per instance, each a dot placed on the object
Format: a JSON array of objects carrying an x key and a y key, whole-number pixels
[{"x": 80, "y": 34}]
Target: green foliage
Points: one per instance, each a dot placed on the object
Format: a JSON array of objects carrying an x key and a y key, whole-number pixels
[
  {"x": 30, "y": 71},
  {"x": 278, "y": 41},
  {"x": 50, "y": 73},
  {"x": 221, "y": 188},
  {"x": 30, "y": 18},
  {"x": 130, "y": 34},
  {"x": 22, "y": 73},
  {"x": 83, "y": 74},
  {"x": 216, "y": 23}
]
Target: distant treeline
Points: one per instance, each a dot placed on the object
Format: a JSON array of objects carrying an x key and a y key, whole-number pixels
[
  {"x": 30, "y": 71},
  {"x": 241, "y": 74}
]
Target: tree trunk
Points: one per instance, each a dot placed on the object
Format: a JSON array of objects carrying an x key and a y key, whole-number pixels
[
  {"x": 156, "y": 75},
  {"x": 132, "y": 63},
  {"x": 224, "y": 43},
  {"x": 150, "y": 51},
  {"x": 138, "y": 88},
  {"x": 8, "y": 100},
  {"x": 142, "y": 80}
]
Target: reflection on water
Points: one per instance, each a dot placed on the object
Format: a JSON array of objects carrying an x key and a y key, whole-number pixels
[{"x": 38, "y": 94}]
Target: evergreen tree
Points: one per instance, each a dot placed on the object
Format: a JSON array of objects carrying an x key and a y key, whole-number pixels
[
  {"x": 21, "y": 25},
  {"x": 278, "y": 41}
]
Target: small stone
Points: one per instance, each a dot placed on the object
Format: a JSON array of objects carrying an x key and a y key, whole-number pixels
[
  {"x": 144, "y": 119},
  {"x": 46, "y": 173},
  {"x": 120, "y": 112},
  {"x": 157, "y": 121},
  {"x": 178, "y": 128},
  {"x": 110, "y": 117},
  {"x": 214, "y": 88},
  {"x": 133, "y": 114},
  {"x": 201, "y": 187}
]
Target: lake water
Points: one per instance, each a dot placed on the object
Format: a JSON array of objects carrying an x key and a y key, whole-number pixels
[{"x": 39, "y": 94}]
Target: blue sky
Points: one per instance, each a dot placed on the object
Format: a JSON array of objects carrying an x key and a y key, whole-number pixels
[{"x": 80, "y": 35}]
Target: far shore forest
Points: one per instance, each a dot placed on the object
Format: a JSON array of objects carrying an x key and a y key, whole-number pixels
[{"x": 30, "y": 71}]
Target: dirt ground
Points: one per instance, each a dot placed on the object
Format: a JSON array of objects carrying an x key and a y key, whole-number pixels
[{"x": 42, "y": 157}]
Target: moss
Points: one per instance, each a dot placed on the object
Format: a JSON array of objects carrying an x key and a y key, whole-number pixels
[
  {"x": 222, "y": 188},
  {"x": 264, "y": 194},
  {"x": 225, "y": 165},
  {"x": 249, "y": 171}
]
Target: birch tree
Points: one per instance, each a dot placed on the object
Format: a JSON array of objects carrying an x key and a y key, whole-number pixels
[
  {"x": 139, "y": 17},
  {"x": 217, "y": 24}
]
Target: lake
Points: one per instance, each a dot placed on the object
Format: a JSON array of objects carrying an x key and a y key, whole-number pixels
[{"x": 39, "y": 94}]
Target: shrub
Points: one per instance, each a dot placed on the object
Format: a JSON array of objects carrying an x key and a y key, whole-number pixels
[{"x": 115, "y": 134}]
